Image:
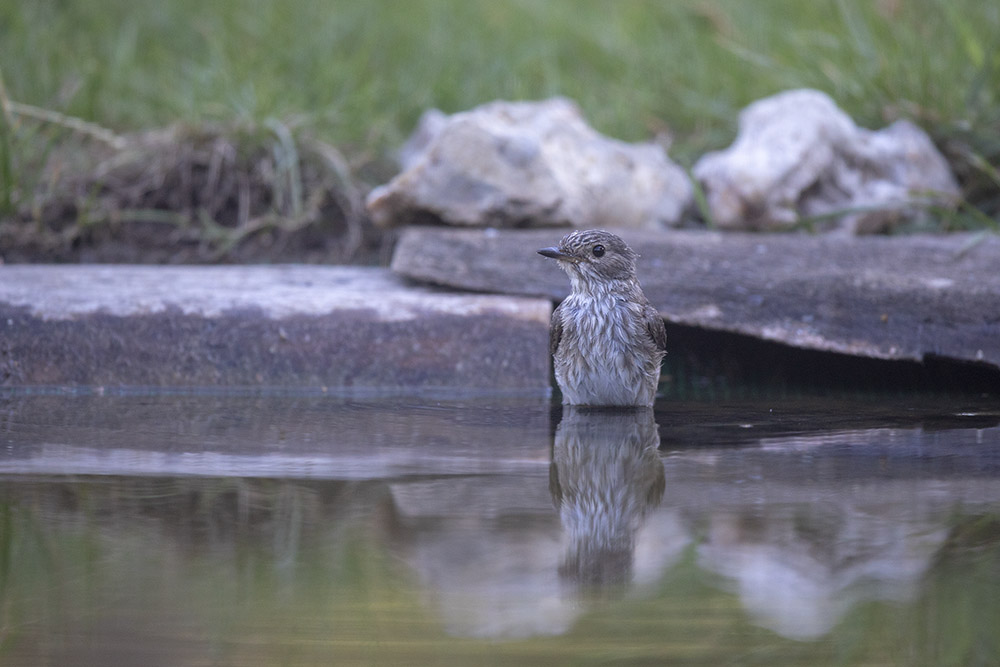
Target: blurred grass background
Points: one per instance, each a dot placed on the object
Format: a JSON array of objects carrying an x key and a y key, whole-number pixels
[{"x": 359, "y": 74}]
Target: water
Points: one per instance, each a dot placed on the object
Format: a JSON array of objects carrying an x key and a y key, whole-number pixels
[{"x": 271, "y": 530}]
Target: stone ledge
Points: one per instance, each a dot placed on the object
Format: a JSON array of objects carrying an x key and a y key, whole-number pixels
[
  {"x": 337, "y": 327},
  {"x": 904, "y": 297}
]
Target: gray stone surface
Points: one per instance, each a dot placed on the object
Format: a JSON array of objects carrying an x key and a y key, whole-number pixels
[
  {"x": 881, "y": 297},
  {"x": 799, "y": 156},
  {"x": 529, "y": 163},
  {"x": 312, "y": 326}
]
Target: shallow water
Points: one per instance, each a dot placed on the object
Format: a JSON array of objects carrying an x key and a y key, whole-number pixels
[{"x": 243, "y": 530}]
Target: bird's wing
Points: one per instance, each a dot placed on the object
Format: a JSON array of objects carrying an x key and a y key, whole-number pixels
[
  {"x": 555, "y": 330},
  {"x": 655, "y": 327}
]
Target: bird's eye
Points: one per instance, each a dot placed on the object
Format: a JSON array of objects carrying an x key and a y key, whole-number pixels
[{"x": 598, "y": 251}]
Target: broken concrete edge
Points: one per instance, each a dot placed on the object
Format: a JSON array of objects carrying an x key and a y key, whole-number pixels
[
  {"x": 348, "y": 329},
  {"x": 893, "y": 298}
]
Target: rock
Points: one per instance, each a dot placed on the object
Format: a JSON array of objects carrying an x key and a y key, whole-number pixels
[
  {"x": 293, "y": 326},
  {"x": 431, "y": 123},
  {"x": 904, "y": 297},
  {"x": 798, "y": 156},
  {"x": 510, "y": 164}
]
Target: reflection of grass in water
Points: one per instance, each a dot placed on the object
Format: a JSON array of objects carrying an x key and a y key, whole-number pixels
[
  {"x": 271, "y": 572},
  {"x": 958, "y": 614},
  {"x": 340, "y": 596},
  {"x": 39, "y": 572},
  {"x": 954, "y": 618},
  {"x": 226, "y": 565}
]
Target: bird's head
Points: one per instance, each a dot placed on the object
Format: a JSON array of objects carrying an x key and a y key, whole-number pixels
[{"x": 594, "y": 257}]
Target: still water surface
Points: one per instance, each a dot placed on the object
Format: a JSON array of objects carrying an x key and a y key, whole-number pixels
[{"x": 229, "y": 530}]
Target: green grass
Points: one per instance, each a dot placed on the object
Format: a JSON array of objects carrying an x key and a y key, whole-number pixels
[{"x": 358, "y": 74}]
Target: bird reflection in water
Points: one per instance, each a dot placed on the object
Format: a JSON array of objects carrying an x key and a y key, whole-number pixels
[{"x": 605, "y": 477}]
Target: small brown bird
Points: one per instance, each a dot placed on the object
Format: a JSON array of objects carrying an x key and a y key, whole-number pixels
[{"x": 607, "y": 341}]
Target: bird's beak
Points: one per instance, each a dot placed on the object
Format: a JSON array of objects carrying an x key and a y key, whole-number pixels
[{"x": 555, "y": 253}]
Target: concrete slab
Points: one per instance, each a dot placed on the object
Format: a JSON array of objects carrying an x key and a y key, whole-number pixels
[
  {"x": 337, "y": 327},
  {"x": 905, "y": 297}
]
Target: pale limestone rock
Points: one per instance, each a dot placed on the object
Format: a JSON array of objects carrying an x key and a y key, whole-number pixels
[
  {"x": 513, "y": 164},
  {"x": 798, "y": 156}
]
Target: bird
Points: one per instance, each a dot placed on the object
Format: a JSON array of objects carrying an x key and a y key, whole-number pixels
[{"x": 606, "y": 340}]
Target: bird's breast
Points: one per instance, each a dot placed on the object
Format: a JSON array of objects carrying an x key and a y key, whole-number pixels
[{"x": 609, "y": 321}]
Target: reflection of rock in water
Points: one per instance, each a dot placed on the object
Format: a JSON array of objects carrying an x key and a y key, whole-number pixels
[
  {"x": 605, "y": 476},
  {"x": 484, "y": 549},
  {"x": 799, "y": 570}
]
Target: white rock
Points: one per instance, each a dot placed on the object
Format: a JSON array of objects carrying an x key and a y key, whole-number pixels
[
  {"x": 799, "y": 156},
  {"x": 529, "y": 163}
]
